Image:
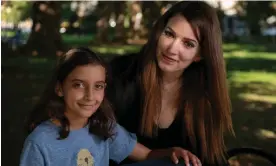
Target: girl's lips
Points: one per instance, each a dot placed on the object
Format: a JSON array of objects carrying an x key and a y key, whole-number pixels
[{"x": 86, "y": 106}]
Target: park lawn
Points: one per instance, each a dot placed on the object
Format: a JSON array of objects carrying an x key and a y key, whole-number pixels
[
  {"x": 252, "y": 82},
  {"x": 252, "y": 86}
]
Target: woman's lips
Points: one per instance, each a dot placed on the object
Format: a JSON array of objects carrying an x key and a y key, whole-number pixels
[{"x": 168, "y": 59}]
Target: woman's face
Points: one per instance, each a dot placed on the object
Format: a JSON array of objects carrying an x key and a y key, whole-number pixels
[{"x": 177, "y": 46}]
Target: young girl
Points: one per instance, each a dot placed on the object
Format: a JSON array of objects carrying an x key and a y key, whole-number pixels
[{"x": 73, "y": 124}]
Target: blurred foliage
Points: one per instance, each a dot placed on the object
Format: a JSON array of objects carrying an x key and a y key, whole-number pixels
[
  {"x": 15, "y": 11},
  {"x": 253, "y": 12},
  {"x": 120, "y": 21},
  {"x": 46, "y": 16}
]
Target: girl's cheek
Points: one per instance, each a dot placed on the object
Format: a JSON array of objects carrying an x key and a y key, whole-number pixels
[{"x": 75, "y": 94}]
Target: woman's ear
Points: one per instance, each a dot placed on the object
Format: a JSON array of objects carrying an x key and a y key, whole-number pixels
[
  {"x": 197, "y": 58},
  {"x": 58, "y": 90}
]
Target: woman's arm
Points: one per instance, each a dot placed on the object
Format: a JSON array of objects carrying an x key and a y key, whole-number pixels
[{"x": 141, "y": 153}]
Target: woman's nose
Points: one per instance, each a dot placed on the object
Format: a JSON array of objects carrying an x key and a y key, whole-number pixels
[{"x": 174, "y": 47}]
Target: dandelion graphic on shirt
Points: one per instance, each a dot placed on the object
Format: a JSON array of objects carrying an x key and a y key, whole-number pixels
[{"x": 84, "y": 158}]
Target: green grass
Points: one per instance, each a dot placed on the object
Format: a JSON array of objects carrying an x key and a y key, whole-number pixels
[
  {"x": 243, "y": 54},
  {"x": 7, "y": 33},
  {"x": 252, "y": 78},
  {"x": 252, "y": 85},
  {"x": 119, "y": 50},
  {"x": 106, "y": 49},
  {"x": 75, "y": 40}
]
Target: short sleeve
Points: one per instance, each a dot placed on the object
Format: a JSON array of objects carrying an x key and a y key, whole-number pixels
[
  {"x": 31, "y": 155},
  {"x": 121, "y": 144}
]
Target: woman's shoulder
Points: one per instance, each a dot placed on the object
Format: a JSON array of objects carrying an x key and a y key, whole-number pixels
[
  {"x": 122, "y": 65},
  {"x": 123, "y": 60}
]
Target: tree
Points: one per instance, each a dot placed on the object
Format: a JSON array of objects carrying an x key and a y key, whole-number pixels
[
  {"x": 104, "y": 11},
  {"x": 15, "y": 11},
  {"x": 45, "y": 38},
  {"x": 255, "y": 11}
]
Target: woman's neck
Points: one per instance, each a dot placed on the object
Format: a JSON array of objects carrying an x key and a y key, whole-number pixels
[{"x": 171, "y": 80}]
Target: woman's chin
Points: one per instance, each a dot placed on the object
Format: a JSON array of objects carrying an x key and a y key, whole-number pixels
[{"x": 166, "y": 68}]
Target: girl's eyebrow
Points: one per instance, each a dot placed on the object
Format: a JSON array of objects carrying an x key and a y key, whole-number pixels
[
  {"x": 103, "y": 82},
  {"x": 75, "y": 79},
  {"x": 186, "y": 38}
]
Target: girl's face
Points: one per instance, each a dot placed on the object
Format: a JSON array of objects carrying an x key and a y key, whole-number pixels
[
  {"x": 83, "y": 91},
  {"x": 177, "y": 46}
]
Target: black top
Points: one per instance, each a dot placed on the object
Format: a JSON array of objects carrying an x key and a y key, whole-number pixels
[{"x": 124, "y": 94}]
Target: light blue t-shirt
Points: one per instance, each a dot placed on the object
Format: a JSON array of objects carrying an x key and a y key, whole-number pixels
[{"x": 80, "y": 148}]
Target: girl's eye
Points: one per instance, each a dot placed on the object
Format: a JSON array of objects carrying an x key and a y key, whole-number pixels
[
  {"x": 189, "y": 44},
  {"x": 78, "y": 85},
  {"x": 168, "y": 33},
  {"x": 99, "y": 86}
]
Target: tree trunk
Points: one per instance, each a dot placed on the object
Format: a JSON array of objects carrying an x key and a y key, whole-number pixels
[
  {"x": 120, "y": 14},
  {"x": 45, "y": 38}
]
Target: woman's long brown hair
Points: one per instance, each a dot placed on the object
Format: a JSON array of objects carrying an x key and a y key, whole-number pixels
[{"x": 204, "y": 94}]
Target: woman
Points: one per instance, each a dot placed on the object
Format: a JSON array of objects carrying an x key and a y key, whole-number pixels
[{"x": 174, "y": 91}]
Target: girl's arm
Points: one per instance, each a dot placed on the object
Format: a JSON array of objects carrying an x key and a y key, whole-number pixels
[{"x": 31, "y": 155}]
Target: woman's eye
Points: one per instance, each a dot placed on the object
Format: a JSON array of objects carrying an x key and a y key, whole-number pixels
[
  {"x": 189, "y": 44},
  {"x": 168, "y": 33},
  {"x": 78, "y": 85}
]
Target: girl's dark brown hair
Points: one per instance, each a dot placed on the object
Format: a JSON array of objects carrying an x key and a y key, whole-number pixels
[
  {"x": 204, "y": 97},
  {"x": 51, "y": 106}
]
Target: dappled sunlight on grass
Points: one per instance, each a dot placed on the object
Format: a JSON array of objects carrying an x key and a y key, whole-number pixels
[
  {"x": 37, "y": 60},
  {"x": 76, "y": 40},
  {"x": 104, "y": 50},
  {"x": 241, "y": 53},
  {"x": 252, "y": 82},
  {"x": 264, "y": 134},
  {"x": 253, "y": 76},
  {"x": 41, "y": 63},
  {"x": 256, "y": 105},
  {"x": 265, "y": 47},
  {"x": 231, "y": 46},
  {"x": 115, "y": 49},
  {"x": 250, "y": 55},
  {"x": 234, "y": 46},
  {"x": 257, "y": 97},
  {"x": 253, "y": 87}
]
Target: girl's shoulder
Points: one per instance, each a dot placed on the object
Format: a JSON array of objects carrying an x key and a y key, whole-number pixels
[{"x": 45, "y": 131}]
